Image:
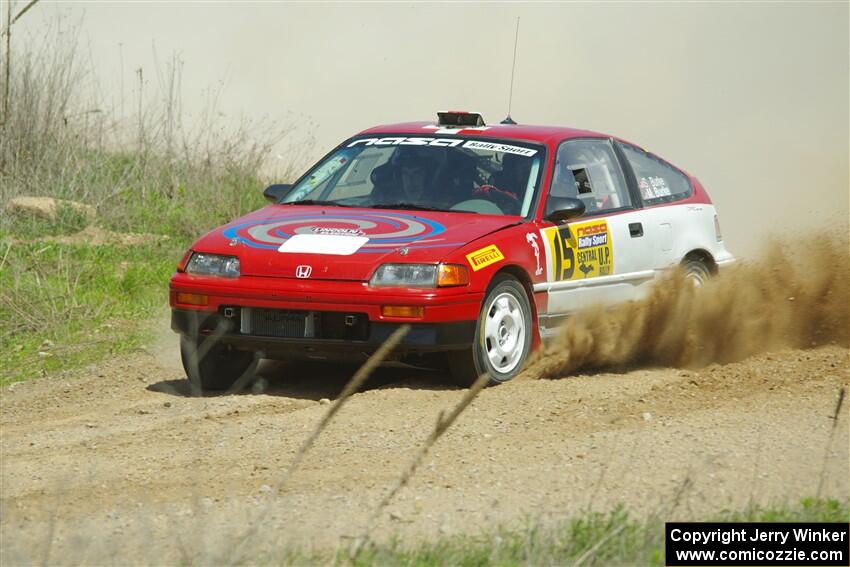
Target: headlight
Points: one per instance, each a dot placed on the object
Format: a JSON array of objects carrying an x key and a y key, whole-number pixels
[
  {"x": 213, "y": 265},
  {"x": 420, "y": 275}
]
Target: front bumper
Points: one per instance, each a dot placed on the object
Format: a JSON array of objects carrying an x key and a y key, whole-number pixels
[
  {"x": 421, "y": 338},
  {"x": 450, "y": 315}
]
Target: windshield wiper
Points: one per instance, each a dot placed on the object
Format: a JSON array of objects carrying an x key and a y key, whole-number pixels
[
  {"x": 315, "y": 202},
  {"x": 411, "y": 206}
]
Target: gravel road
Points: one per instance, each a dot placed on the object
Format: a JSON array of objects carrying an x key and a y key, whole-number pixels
[{"x": 119, "y": 463}]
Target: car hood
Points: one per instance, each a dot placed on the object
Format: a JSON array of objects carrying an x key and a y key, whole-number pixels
[{"x": 337, "y": 243}]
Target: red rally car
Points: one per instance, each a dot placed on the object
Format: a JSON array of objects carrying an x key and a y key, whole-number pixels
[{"x": 481, "y": 237}]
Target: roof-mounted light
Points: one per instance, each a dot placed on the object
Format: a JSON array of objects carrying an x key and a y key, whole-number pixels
[{"x": 459, "y": 118}]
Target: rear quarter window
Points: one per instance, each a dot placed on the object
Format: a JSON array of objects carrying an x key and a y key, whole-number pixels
[{"x": 658, "y": 181}]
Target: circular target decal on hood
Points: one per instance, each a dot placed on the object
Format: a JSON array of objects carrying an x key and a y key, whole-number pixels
[{"x": 385, "y": 231}]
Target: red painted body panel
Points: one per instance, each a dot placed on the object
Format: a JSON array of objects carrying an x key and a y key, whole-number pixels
[
  {"x": 541, "y": 134},
  {"x": 288, "y": 292},
  {"x": 260, "y": 233},
  {"x": 442, "y": 305},
  {"x": 340, "y": 283}
]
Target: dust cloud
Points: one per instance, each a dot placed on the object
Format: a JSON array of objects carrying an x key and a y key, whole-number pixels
[
  {"x": 795, "y": 296},
  {"x": 164, "y": 347},
  {"x": 751, "y": 98}
]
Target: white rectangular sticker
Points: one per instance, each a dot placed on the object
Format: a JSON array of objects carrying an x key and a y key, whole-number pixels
[
  {"x": 496, "y": 147},
  {"x": 331, "y": 244}
]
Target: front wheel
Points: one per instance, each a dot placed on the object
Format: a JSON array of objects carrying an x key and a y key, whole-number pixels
[
  {"x": 502, "y": 335},
  {"x": 212, "y": 366}
]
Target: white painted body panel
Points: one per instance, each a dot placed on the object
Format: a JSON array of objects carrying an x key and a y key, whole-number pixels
[{"x": 669, "y": 233}]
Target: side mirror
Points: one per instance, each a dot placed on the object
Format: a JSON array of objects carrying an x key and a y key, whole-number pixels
[
  {"x": 562, "y": 209},
  {"x": 275, "y": 193}
]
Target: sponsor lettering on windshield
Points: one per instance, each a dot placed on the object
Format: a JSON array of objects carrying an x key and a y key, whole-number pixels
[{"x": 444, "y": 142}]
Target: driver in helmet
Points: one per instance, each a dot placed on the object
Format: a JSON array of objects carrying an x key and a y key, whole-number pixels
[
  {"x": 514, "y": 175},
  {"x": 507, "y": 185},
  {"x": 406, "y": 178},
  {"x": 413, "y": 172}
]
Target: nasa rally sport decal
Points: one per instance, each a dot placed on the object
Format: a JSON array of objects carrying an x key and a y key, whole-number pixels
[
  {"x": 385, "y": 231},
  {"x": 445, "y": 142},
  {"x": 578, "y": 251}
]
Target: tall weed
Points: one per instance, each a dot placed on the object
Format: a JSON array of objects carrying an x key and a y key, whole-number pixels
[{"x": 155, "y": 168}]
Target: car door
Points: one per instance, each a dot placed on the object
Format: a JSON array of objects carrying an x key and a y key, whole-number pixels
[
  {"x": 603, "y": 256},
  {"x": 668, "y": 223}
]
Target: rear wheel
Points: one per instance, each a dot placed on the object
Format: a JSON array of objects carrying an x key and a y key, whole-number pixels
[
  {"x": 213, "y": 366},
  {"x": 502, "y": 335},
  {"x": 696, "y": 271}
]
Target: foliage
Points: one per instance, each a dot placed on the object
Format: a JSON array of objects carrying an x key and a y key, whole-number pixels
[
  {"x": 591, "y": 538},
  {"x": 153, "y": 169},
  {"x": 62, "y": 305},
  {"x": 157, "y": 168}
]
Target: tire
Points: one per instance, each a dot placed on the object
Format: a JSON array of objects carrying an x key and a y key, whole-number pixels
[
  {"x": 216, "y": 369},
  {"x": 696, "y": 271},
  {"x": 502, "y": 336}
]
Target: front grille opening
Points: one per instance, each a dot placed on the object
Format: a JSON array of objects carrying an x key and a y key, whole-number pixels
[
  {"x": 293, "y": 324},
  {"x": 347, "y": 326}
]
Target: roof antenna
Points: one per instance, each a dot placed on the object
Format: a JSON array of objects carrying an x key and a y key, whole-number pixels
[{"x": 508, "y": 119}]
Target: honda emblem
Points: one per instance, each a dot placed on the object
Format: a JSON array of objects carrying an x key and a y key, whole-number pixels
[{"x": 303, "y": 271}]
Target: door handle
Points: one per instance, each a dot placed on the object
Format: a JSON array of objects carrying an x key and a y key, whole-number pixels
[{"x": 636, "y": 229}]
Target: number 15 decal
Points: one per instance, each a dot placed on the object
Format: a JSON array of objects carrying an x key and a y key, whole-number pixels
[{"x": 578, "y": 251}]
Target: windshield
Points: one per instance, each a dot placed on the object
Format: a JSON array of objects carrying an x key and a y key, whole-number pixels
[{"x": 425, "y": 173}]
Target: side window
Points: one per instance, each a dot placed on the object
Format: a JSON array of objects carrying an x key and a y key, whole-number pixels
[
  {"x": 658, "y": 182},
  {"x": 589, "y": 170}
]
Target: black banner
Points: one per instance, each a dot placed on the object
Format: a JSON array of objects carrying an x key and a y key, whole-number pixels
[{"x": 693, "y": 544}]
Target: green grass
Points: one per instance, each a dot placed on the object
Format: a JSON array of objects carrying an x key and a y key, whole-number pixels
[
  {"x": 613, "y": 538},
  {"x": 63, "y": 306},
  {"x": 152, "y": 170},
  {"x": 68, "y": 221}
]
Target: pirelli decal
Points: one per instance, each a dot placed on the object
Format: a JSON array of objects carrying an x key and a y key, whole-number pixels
[
  {"x": 578, "y": 250},
  {"x": 484, "y": 257}
]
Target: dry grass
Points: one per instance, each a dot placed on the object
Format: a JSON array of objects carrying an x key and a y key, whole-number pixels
[
  {"x": 154, "y": 170},
  {"x": 147, "y": 164},
  {"x": 442, "y": 425},
  {"x": 235, "y": 554},
  {"x": 350, "y": 388}
]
